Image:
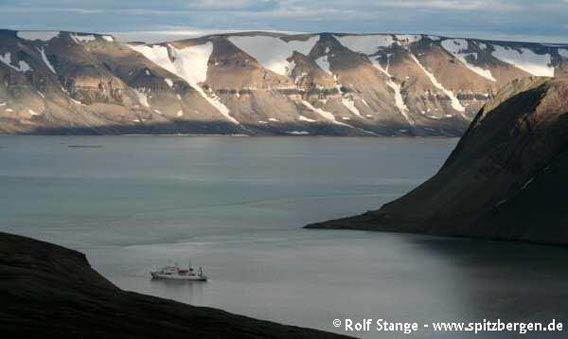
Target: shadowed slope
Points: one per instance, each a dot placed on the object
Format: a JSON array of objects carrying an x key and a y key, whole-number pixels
[
  {"x": 51, "y": 291},
  {"x": 506, "y": 179}
]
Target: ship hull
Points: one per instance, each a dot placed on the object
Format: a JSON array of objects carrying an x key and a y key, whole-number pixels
[{"x": 178, "y": 277}]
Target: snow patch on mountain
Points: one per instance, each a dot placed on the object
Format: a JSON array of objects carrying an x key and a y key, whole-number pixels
[
  {"x": 323, "y": 63},
  {"x": 366, "y": 44},
  {"x": 350, "y": 104},
  {"x": 298, "y": 132},
  {"x": 563, "y": 53},
  {"x": 83, "y": 38},
  {"x": 7, "y": 59},
  {"x": 22, "y": 65},
  {"x": 458, "y": 48},
  {"x": 37, "y": 35},
  {"x": 142, "y": 96},
  {"x": 76, "y": 101},
  {"x": 398, "y": 100},
  {"x": 306, "y": 119},
  {"x": 407, "y": 39},
  {"x": 272, "y": 52},
  {"x": 189, "y": 63},
  {"x": 46, "y": 60},
  {"x": 329, "y": 116},
  {"x": 526, "y": 60},
  {"x": 325, "y": 114},
  {"x": 169, "y": 82},
  {"x": 455, "y": 103}
]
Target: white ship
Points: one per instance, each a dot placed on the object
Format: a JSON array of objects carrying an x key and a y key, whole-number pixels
[{"x": 173, "y": 272}]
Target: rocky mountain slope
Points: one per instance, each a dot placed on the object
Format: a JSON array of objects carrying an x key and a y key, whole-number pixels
[
  {"x": 506, "y": 179},
  {"x": 258, "y": 83},
  {"x": 49, "y": 291}
]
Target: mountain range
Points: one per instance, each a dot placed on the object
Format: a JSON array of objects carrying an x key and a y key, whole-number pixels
[{"x": 258, "y": 83}]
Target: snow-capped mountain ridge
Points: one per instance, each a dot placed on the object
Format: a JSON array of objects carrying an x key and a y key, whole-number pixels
[{"x": 259, "y": 82}]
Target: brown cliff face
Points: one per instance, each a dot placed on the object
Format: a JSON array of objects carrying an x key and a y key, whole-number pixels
[
  {"x": 506, "y": 178},
  {"x": 258, "y": 83},
  {"x": 51, "y": 292}
]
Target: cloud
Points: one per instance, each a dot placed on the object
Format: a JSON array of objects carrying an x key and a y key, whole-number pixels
[
  {"x": 544, "y": 18},
  {"x": 253, "y": 5},
  {"x": 454, "y": 5},
  {"x": 15, "y": 10}
]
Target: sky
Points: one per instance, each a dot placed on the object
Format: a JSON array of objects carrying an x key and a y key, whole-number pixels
[{"x": 529, "y": 20}]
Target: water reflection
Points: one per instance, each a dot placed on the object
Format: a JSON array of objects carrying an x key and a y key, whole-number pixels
[
  {"x": 179, "y": 290},
  {"x": 514, "y": 281}
]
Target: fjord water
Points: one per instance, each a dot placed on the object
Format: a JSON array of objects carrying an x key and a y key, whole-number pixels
[{"x": 236, "y": 206}]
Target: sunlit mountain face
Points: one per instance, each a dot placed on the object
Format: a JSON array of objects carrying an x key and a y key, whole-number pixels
[{"x": 258, "y": 83}]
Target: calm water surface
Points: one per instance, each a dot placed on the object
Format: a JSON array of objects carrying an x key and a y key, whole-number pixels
[{"x": 236, "y": 206}]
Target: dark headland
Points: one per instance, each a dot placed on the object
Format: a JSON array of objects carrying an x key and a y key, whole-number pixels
[
  {"x": 507, "y": 178},
  {"x": 50, "y": 291}
]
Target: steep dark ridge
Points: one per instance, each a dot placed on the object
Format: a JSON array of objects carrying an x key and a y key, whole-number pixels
[
  {"x": 506, "y": 179},
  {"x": 51, "y": 291}
]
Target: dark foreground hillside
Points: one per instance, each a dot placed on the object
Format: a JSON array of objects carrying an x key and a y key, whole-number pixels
[{"x": 50, "y": 291}]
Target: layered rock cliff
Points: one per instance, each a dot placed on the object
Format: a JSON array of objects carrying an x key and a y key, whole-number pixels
[
  {"x": 258, "y": 83},
  {"x": 506, "y": 179},
  {"x": 48, "y": 291}
]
